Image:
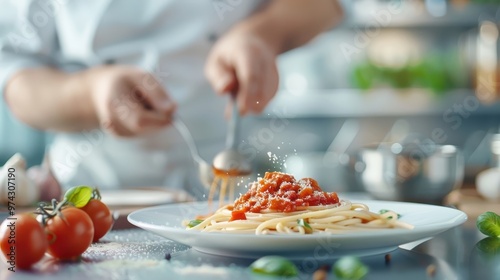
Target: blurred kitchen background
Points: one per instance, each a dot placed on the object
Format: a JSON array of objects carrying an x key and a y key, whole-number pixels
[
  {"x": 396, "y": 71},
  {"x": 392, "y": 71}
]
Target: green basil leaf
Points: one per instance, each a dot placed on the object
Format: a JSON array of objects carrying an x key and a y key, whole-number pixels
[
  {"x": 489, "y": 246},
  {"x": 383, "y": 211},
  {"x": 79, "y": 196},
  {"x": 489, "y": 224},
  {"x": 350, "y": 268},
  {"x": 307, "y": 227},
  {"x": 274, "y": 265},
  {"x": 194, "y": 223}
]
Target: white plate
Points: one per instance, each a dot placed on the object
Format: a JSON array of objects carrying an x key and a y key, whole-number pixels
[
  {"x": 428, "y": 220},
  {"x": 136, "y": 197}
]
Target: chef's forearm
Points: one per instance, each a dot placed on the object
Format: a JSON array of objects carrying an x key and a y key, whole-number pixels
[
  {"x": 49, "y": 99},
  {"x": 287, "y": 24}
]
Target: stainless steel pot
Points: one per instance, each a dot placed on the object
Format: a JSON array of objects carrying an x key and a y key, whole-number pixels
[{"x": 418, "y": 173}]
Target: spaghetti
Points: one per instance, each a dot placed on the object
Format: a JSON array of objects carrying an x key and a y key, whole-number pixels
[{"x": 278, "y": 204}]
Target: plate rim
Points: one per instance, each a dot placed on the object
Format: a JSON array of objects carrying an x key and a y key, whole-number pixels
[{"x": 460, "y": 218}]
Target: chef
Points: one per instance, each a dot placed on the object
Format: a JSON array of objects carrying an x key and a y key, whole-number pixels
[{"x": 107, "y": 77}]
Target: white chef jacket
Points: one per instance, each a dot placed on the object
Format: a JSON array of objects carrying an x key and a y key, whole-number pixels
[{"x": 169, "y": 38}]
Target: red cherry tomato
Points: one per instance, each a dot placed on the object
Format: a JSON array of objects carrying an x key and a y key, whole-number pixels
[
  {"x": 101, "y": 217},
  {"x": 23, "y": 241},
  {"x": 69, "y": 234}
]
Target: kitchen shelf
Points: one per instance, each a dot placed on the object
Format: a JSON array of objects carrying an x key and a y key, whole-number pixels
[
  {"x": 465, "y": 17},
  {"x": 380, "y": 102}
]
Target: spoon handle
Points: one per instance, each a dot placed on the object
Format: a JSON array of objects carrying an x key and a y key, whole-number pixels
[
  {"x": 234, "y": 125},
  {"x": 184, "y": 132}
]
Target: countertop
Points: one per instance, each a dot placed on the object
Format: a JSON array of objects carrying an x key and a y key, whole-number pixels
[{"x": 133, "y": 253}]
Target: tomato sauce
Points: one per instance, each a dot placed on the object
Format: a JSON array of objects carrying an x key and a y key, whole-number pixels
[
  {"x": 238, "y": 215},
  {"x": 280, "y": 192}
]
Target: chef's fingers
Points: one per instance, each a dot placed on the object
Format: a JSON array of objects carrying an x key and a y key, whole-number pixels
[
  {"x": 250, "y": 78},
  {"x": 111, "y": 115},
  {"x": 131, "y": 119},
  {"x": 266, "y": 84},
  {"x": 221, "y": 75},
  {"x": 115, "y": 126},
  {"x": 144, "y": 121},
  {"x": 151, "y": 94},
  {"x": 269, "y": 87}
]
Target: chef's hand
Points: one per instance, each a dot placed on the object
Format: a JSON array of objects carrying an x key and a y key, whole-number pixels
[
  {"x": 244, "y": 60},
  {"x": 243, "y": 63},
  {"x": 129, "y": 101}
]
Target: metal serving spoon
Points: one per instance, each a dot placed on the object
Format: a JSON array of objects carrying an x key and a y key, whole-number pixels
[
  {"x": 205, "y": 171},
  {"x": 230, "y": 162}
]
